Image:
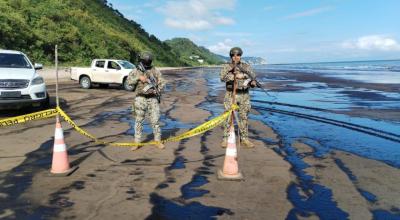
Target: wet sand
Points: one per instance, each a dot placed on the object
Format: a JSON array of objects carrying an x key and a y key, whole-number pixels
[
  {"x": 178, "y": 182},
  {"x": 286, "y": 81},
  {"x": 64, "y": 73}
]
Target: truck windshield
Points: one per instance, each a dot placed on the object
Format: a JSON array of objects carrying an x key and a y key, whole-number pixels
[
  {"x": 8, "y": 60},
  {"x": 126, "y": 64}
]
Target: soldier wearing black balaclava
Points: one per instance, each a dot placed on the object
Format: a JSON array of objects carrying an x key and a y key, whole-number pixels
[{"x": 148, "y": 83}]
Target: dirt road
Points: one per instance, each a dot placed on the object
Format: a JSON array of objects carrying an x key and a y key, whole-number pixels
[{"x": 178, "y": 182}]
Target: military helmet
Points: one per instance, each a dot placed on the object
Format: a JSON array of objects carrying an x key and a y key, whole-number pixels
[
  {"x": 146, "y": 59},
  {"x": 235, "y": 50}
]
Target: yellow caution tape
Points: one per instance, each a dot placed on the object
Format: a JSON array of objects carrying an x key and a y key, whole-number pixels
[
  {"x": 53, "y": 112},
  {"x": 202, "y": 128},
  {"x": 193, "y": 132},
  {"x": 28, "y": 117},
  {"x": 76, "y": 127}
]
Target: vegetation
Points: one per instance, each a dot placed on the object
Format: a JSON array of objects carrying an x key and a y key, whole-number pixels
[
  {"x": 83, "y": 30},
  {"x": 88, "y": 29},
  {"x": 190, "y": 53}
]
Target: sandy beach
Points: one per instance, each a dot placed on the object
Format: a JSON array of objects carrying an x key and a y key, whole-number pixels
[
  {"x": 282, "y": 180},
  {"x": 64, "y": 74}
]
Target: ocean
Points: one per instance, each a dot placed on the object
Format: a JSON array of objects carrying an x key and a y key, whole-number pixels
[
  {"x": 365, "y": 94},
  {"x": 380, "y": 71},
  {"x": 347, "y": 106}
]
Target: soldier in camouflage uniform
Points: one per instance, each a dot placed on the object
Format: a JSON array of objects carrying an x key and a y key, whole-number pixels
[
  {"x": 148, "y": 83},
  {"x": 244, "y": 76}
]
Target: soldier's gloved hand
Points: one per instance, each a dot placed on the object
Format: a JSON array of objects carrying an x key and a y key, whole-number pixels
[
  {"x": 143, "y": 78},
  {"x": 253, "y": 83},
  {"x": 151, "y": 91},
  {"x": 240, "y": 76}
]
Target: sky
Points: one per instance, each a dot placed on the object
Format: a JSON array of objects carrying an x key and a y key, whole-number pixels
[{"x": 280, "y": 31}]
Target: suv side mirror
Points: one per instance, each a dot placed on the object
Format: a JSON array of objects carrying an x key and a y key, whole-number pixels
[
  {"x": 118, "y": 68},
  {"x": 38, "y": 66}
]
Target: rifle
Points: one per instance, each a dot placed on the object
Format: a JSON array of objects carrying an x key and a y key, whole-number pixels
[
  {"x": 258, "y": 84},
  {"x": 151, "y": 81}
]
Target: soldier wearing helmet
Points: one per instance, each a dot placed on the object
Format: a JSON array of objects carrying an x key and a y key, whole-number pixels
[
  {"x": 148, "y": 83},
  {"x": 242, "y": 74}
]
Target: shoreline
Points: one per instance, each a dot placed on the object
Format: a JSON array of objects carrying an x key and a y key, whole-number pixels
[
  {"x": 281, "y": 177},
  {"x": 149, "y": 180},
  {"x": 49, "y": 74}
]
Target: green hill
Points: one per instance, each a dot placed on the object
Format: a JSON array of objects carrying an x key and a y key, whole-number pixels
[
  {"x": 192, "y": 54},
  {"x": 83, "y": 29}
]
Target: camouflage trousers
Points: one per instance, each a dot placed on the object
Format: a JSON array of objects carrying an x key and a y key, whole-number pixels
[
  {"x": 146, "y": 107},
  {"x": 243, "y": 101}
]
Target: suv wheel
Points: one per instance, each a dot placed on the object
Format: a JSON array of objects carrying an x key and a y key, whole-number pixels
[
  {"x": 46, "y": 103},
  {"x": 42, "y": 105},
  {"x": 126, "y": 86},
  {"x": 85, "y": 82}
]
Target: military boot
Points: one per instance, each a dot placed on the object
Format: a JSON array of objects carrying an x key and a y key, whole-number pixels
[
  {"x": 135, "y": 147},
  {"x": 247, "y": 143},
  {"x": 224, "y": 143},
  {"x": 160, "y": 145}
]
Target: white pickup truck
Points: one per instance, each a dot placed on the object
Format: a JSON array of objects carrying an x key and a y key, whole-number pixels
[{"x": 103, "y": 72}]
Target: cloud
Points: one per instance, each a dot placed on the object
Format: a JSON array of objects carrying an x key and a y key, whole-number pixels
[
  {"x": 224, "y": 21},
  {"x": 269, "y": 8},
  {"x": 196, "y": 15},
  {"x": 373, "y": 42},
  {"x": 221, "y": 47},
  {"x": 310, "y": 12},
  {"x": 188, "y": 25},
  {"x": 224, "y": 46}
]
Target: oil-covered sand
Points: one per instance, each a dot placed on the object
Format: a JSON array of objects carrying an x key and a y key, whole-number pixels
[{"x": 282, "y": 179}]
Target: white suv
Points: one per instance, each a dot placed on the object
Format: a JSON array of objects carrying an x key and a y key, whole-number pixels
[{"x": 20, "y": 85}]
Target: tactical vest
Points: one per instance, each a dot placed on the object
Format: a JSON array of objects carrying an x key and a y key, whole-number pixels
[
  {"x": 243, "y": 85},
  {"x": 147, "y": 88}
]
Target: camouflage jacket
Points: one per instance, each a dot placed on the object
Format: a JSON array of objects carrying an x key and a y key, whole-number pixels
[
  {"x": 228, "y": 71},
  {"x": 138, "y": 85}
]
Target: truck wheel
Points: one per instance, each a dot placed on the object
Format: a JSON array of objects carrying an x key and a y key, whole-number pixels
[
  {"x": 126, "y": 86},
  {"x": 85, "y": 82}
]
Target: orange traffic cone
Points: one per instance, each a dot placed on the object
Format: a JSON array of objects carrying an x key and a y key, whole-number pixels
[
  {"x": 60, "y": 164},
  {"x": 230, "y": 169}
]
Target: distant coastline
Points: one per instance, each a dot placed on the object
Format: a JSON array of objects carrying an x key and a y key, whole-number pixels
[{"x": 327, "y": 62}]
